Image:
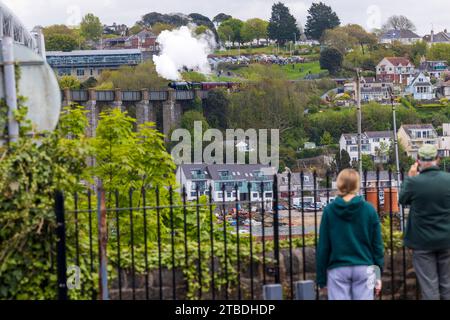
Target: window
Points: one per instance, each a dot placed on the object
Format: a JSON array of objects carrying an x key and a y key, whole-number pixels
[
  {"x": 92, "y": 72},
  {"x": 229, "y": 194},
  {"x": 193, "y": 194},
  {"x": 353, "y": 149},
  {"x": 64, "y": 72},
  {"x": 269, "y": 195},
  {"x": 80, "y": 72},
  {"x": 255, "y": 195}
]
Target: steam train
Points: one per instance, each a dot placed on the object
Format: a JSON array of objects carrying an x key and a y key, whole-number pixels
[{"x": 183, "y": 85}]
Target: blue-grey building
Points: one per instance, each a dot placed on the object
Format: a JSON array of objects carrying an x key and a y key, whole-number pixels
[{"x": 84, "y": 64}]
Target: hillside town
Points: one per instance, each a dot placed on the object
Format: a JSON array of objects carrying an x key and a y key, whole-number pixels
[{"x": 148, "y": 155}]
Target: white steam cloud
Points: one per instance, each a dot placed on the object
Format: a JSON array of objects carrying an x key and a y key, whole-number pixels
[{"x": 181, "y": 49}]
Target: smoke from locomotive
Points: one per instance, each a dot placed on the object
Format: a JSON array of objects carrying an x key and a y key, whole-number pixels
[{"x": 181, "y": 50}]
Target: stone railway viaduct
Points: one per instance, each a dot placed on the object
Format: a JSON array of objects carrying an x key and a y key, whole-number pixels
[{"x": 164, "y": 107}]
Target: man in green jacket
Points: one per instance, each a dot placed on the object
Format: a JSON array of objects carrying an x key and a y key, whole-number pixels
[{"x": 427, "y": 192}]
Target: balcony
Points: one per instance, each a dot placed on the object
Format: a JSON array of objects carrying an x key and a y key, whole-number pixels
[
  {"x": 199, "y": 176},
  {"x": 227, "y": 178}
]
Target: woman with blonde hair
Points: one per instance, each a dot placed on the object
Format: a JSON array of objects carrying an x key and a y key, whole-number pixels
[{"x": 350, "y": 246}]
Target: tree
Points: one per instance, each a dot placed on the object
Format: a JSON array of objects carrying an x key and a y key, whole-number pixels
[
  {"x": 135, "y": 29},
  {"x": 235, "y": 25},
  {"x": 201, "y": 20},
  {"x": 363, "y": 37},
  {"x": 405, "y": 160},
  {"x": 254, "y": 29},
  {"x": 218, "y": 108},
  {"x": 69, "y": 82},
  {"x": 221, "y": 17},
  {"x": 339, "y": 39},
  {"x": 201, "y": 30},
  {"x": 225, "y": 33},
  {"x": 399, "y": 22},
  {"x": 270, "y": 102},
  {"x": 367, "y": 163},
  {"x": 190, "y": 117},
  {"x": 439, "y": 51},
  {"x": 331, "y": 60},
  {"x": 326, "y": 139},
  {"x": 60, "y": 42},
  {"x": 341, "y": 161},
  {"x": 321, "y": 17},
  {"x": 152, "y": 18},
  {"x": 159, "y": 27},
  {"x": 91, "y": 27},
  {"x": 282, "y": 25}
]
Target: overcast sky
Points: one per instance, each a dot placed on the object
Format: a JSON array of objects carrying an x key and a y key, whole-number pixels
[{"x": 368, "y": 13}]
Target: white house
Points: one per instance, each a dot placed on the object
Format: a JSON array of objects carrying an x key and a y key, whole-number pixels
[
  {"x": 228, "y": 177},
  {"x": 402, "y": 36},
  {"x": 374, "y": 143},
  {"x": 420, "y": 87},
  {"x": 395, "y": 70},
  {"x": 440, "y": 37}
]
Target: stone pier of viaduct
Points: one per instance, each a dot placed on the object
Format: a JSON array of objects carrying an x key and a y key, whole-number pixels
[{"x": 164, "y": 108}]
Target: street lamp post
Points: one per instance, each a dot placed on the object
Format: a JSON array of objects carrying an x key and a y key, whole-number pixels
[{"x": 359, "y": 116}]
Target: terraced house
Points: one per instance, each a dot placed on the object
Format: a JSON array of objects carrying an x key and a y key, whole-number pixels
[{"x": 220, "y": 177}]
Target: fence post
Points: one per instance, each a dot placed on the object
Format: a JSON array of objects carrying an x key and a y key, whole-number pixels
[
  {"x": 305, "y": 290},
  {"x": 61, "y": 246},
  {"x": 276, "y": 229},
  {"x": 102, "y": 242}
]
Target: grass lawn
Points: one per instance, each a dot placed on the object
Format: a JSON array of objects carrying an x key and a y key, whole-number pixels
[{"x": 301, "y": 70}]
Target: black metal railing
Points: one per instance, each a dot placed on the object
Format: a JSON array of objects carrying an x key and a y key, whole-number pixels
[{"x": 159, "y": 245}]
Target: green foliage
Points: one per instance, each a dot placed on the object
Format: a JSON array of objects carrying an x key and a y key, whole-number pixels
[
  {"x": 126, "y": 158},
  {"x": 321, "y": 17},
  {"x": 91, "y": 27},
  {"x": 254, "y": 29},
  {"x": 367, "y": 163},
  {"x": 69, "y": 82},
  {"x": 230, "y": 30},
  {"x": 133, "y": 78},
  {"x": 397, "y": 236},
  {"x": 193, "y": 76},
  {"x": 341, "y": 161},
  {"x": 31, "y": 171},
  {"x": 61, "y": 38},
  {"x": 221, "y": 17},
  {"x": 331, "y": 59},
  {"x": 439, "y": 51},
  {"x": 60, "y": 42},
  {"x": 326, "y": 139},
  {"x": 218, "y": 108},
  {"x": 282, "y": 26}
]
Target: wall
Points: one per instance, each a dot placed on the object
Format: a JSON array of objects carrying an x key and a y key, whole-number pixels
[{"x": 297, "y": 263}]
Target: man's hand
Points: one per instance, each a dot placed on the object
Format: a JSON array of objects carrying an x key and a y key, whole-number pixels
[
  {"x": 378, "y": 287},
  {"x": 414, "y": 170},
  {"x": 324, "y": 292}
]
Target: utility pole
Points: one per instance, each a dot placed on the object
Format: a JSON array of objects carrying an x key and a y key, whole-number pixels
[
  {"x": 397, "y": 157},
  {"x": 359, "y": 119}
]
